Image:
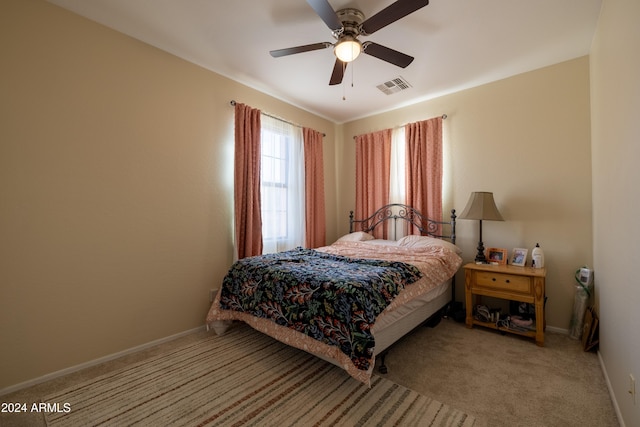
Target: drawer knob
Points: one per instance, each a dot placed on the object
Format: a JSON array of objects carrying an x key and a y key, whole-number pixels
[
  {"x": 508, "y": 281},
  {"x": 493, "y": 279}
]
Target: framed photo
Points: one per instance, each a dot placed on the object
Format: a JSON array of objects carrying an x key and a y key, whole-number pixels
[
  {"x": 497, "y": 256},
  {"x": 519, "y": 256}
]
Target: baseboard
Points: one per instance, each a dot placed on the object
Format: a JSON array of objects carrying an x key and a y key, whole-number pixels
[
  {"x": 557, "y": 330},
  {"x": 66, "y": 371},
  {"x": 613, "y": 396}
]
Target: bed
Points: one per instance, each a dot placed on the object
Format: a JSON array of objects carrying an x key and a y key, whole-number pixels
[{"x": 350, "y": 301}]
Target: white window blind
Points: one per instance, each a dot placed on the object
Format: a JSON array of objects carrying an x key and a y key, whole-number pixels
[{"x": 281, "y": 185}]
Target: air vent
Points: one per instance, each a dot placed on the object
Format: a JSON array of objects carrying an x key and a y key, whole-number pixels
[{"x": 394, "y": 86}]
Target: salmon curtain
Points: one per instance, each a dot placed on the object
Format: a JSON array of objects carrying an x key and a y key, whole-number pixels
[
  {"x": 248, "y": 219},
  {"x": 423, "y": 175},
  {"x": 314, "y": 189},
  {"x": 373, "y": 164}
]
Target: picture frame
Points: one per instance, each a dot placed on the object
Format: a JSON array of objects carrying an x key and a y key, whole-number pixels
[
  {"x": 497, "y": 256},
  {"x": 519, "y": 256},
  {"x": 590, "y": 330}
]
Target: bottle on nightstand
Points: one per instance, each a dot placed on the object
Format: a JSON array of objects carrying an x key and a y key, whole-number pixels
[{"x": 537, "y": 257}]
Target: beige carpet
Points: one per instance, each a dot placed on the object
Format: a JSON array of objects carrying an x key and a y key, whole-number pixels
[
  {"x": 242, "y": 378},
  {"x": 505, "y": 380}
]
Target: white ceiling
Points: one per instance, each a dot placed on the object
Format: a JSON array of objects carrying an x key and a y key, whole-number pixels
[{"x": 457, "y": 44}]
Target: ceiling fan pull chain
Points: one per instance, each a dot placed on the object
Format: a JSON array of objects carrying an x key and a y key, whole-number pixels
[
  {"x": 353, "y": 72},
  {"x": 344, "y": 90}
]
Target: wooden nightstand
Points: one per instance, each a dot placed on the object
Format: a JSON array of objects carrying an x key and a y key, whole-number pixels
[{"x": 508, "y": 282}]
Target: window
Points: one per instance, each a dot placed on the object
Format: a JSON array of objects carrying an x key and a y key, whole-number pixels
[
  {"x": 273, "y": 185},
  {"x": 389, "y": 170},
  {"x": 397, "y": 188},
  {"x": 281, "y": 185},
  {"x": 292, "y": 218}
]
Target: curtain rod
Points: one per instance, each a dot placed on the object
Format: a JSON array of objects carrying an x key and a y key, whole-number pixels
[
  {"x": 443, "y": 117},
  {"x": 233, "y": 103}
]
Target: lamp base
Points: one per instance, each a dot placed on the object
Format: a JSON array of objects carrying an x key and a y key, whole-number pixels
[{"x": 480, "y": 256}]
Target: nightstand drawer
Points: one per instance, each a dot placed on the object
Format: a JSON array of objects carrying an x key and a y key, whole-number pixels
[{"x": 507, "y": 282}]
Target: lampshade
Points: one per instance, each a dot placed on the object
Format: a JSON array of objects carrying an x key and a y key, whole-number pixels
[
  {"x": 347, "y": 49},
  {"x": 481, "y": 206}
]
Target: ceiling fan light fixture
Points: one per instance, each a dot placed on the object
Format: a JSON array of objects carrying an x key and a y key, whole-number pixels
[{"x": 347, "y": 49}]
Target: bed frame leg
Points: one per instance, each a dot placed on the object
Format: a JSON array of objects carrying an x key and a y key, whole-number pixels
[
  {"x": 383, "y": 368},
  {"x": 434, "y": 320}
]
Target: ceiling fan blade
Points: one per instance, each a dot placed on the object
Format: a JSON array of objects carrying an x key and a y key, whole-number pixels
[
  {"x": 338, "y": 72},
  {"x": 299, "y": 49},
  {"x": 391, "y": 14},
  {"x": 387, "y": 54},
  {"x": 326, "y": 13}
]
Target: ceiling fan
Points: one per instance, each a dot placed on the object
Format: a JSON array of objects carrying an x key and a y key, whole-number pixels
[{"x": 347, "y": 25}]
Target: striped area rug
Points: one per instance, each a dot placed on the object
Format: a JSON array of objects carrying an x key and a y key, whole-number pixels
[{"x": 240, "y": 379}]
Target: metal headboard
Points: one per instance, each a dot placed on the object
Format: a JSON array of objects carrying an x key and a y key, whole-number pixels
[{"x": 399, "y": 211}]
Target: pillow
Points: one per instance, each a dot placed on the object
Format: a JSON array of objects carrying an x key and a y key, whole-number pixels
[
  {"x": 415, "y": 241},
  {"x": 382, "y": 242},
  {"x": 358, "y": 236}
]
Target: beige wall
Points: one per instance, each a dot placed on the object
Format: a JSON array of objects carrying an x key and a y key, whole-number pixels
[
  {"x": 615, "y": 88},
  {"x": 115, "y": 189},
  {"x": 527, "y": 140}
]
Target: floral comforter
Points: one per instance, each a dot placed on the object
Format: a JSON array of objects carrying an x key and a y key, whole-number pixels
[{"x": 328, "y": 299}]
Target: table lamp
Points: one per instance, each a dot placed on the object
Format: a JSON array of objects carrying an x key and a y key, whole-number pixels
[{"x": 481, "y": 207}]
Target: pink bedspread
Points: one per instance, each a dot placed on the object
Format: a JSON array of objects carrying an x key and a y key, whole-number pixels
[{"x": 437, "y": 264}]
